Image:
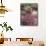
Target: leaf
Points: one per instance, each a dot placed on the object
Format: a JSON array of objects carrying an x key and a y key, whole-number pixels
[
  {"x": 7, "y": 29},
  {"x": 5, "y": 24},
  {"x": 11, "y": 29},
  {"x": 0, "y": 24}
]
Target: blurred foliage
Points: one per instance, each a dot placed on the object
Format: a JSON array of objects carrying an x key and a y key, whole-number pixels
[
  {"x": 29, "y": 5},
  {"x": 7, "y": 27}
]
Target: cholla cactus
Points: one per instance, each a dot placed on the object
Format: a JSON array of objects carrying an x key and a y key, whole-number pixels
[{"x": 7, "y": 27}]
